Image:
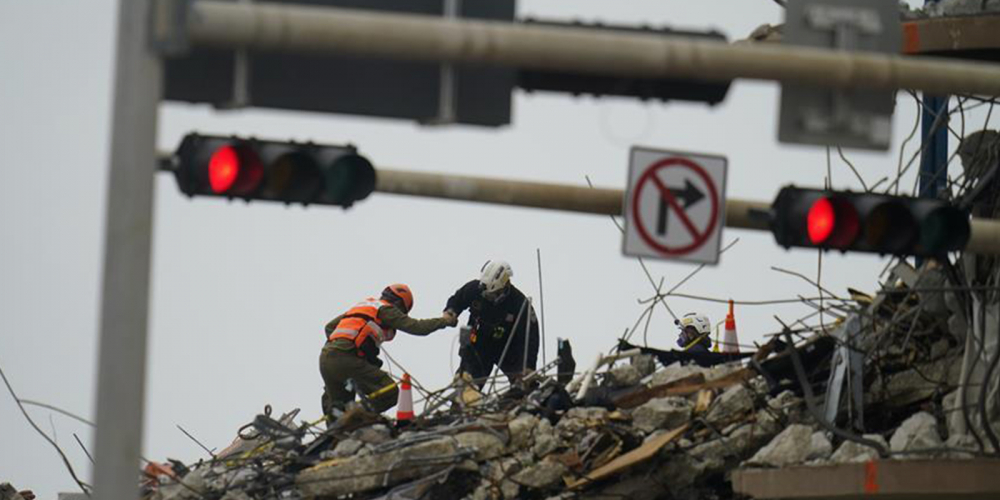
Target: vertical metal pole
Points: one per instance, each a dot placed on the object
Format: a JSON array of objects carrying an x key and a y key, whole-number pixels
[
  {"x": 541, "y": 301},
  {"x": 934, "y": 161},
  {"x": 128, "y": 236}
]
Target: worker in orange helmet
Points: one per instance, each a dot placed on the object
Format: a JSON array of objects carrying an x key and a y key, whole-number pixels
[{"x": 352, "y": 347}]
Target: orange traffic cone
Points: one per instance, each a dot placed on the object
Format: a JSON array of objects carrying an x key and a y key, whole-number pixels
[
  {"x": 404, "y": 405},
  {"x": 730, "y": 342}
]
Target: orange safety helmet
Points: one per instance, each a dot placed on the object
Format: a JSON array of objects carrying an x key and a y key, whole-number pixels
[{"x": 402, "y": 292}]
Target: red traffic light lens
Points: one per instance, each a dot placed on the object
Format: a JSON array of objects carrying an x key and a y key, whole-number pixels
[
  {"x": 234, "y": 170},
  {"x": 223, "y": 168},
  {"x": 821, "y": 220}
]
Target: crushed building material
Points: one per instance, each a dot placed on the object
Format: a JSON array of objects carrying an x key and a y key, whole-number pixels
[{"x": 634, "y": 426}]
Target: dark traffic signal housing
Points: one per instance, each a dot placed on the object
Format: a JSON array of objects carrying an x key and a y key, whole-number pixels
[
  {"x": 255, "y": 169},
  {"x": 661, "y": 89},
  {"x": 868, "y": 222}
]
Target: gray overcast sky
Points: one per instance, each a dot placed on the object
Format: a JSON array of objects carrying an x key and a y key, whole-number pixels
[{"x": 241, "y": 292}]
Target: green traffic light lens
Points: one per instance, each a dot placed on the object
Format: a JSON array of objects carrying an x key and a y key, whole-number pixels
[
  {"x": 945, "y": 229},
  {"x": 351, "y": 177}
]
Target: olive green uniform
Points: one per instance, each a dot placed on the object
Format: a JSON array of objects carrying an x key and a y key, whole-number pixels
[{"x": 340, "y": 360}]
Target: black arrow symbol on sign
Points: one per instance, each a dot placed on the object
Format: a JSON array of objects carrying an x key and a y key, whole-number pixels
[{"x": 687, "y": 196}]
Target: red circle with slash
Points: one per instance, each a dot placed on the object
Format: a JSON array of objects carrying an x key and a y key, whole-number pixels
[{"x": 649, "y": 178}]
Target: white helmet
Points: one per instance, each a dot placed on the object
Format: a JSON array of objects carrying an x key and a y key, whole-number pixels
[
  {"x": 494, "y": 280},
  {"x": 700, "y": 323}
]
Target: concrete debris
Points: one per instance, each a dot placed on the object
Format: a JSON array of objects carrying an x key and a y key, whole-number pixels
[
  {"x": 8, "y": 492},
  {"x": 662, "y": 413},
  {"x": 947, "y": 8},
  {"x": 374, "y": 434},
  {"x": 342, "y": 477},
  {"x": 624, "y": 376},
  {"x": 543, "y": 475},
  {"x": 919, "y": 432},
  {"x": 637, "y": 429},
  {"x": 792, "y": 446},
  {"x": 484, "y": 445},
  {"x": 820, "y": 447},
  {"x": 854, "y": 452},
  {"x": 347, "y": 448},
  {"x": 732, "y": 405},
  {"x": 675, "y": 372},
  {"x": 645, "y": 363},
  {"x": 521, "y": 430}
]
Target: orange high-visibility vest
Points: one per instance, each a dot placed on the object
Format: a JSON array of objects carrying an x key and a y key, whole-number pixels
[{"x": 361, "y": 323}]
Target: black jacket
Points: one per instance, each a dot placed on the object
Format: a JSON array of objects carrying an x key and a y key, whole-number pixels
[{"x": 493, "y": 322}]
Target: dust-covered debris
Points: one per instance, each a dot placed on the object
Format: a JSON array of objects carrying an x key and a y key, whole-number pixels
[{"x": 640, "y": 429}]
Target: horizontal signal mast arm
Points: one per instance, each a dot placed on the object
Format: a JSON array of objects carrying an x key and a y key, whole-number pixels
[
  {"x": 568, "y": 198},
  {"x": 740, "y": 214},
  {"x": 315, "y": 29}
]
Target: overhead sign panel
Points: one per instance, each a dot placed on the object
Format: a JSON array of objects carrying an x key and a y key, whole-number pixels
[
  {"x": 674, "y": 205},
  {"x": 836, "y": 117},
  {"x": 426, "y": 92}
]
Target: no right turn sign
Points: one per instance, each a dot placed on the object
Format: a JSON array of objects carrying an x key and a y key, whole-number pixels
[{"x": 674, "y": 206}]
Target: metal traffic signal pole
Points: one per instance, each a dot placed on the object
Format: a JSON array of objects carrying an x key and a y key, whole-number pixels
[
  {"x": 121, "y": 375},
  {"x": 311, "y": 29}
]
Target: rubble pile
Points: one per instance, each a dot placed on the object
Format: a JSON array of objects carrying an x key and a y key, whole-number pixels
[{"x": 880, "y": 383}]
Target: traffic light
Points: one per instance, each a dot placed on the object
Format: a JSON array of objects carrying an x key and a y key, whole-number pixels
[
  {"x": 254, "y": 169},
  {"x": 663, "y": 89},
  {"x": 867, "y": 222}
]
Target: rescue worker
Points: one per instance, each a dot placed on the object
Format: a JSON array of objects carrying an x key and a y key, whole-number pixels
[
  {"x": 695, "y": 335},
  {"x": 498, "y": 313},
  {"x": 352, "y": 347}
]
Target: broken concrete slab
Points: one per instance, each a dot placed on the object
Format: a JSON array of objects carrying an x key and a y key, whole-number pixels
[
  {"x": 854, "y": 452},
  {"x": 7, "y": 492},
  {"x": 919, "y": 432},
  {"x": 381, "y": 470},
  {"x": 662, "y": 413},
  {"x": 521, "y": 429},
  {"x": 675, "y": 372},
  {"x": 623, "y": 376},
  {"x": 346, "y": 448},
  {"x": 545, "y": 474},
  {"x": 645, "y": 363},
  {"x": 789, "y": 447},
  {"x": 947, "y": 8},
  {"x": 722, "y": 371},
  {"x": 486, "y": 445},
  {"x": 236, "y": 495},
  {"x": 730, "y": 406},
  {"x": 545, "y": 444},
  {"x": 577, "y": 419},
  {"x": 373, "y": 434},
  {"x": 820, "y": 447},
  {"x": 912, "y": 386},
  {"x": 190, "y": 487}
]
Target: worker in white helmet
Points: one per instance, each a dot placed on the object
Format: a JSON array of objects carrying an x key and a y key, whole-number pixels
[
  {"x": 695, "y": 333},
  {"x": 504, "y": 328}
]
